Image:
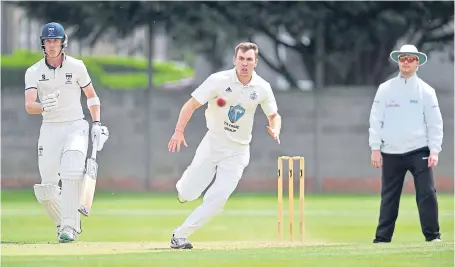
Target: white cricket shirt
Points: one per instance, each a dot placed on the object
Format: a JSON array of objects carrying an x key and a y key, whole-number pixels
[
  {"x": 69, "y": 78},
  {"x": 405, "y": 116},
  {"x": 235, "y": 119}
]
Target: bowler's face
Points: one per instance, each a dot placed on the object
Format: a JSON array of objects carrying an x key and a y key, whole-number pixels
[
  {"x": 408, "y": 63},
  {"x": 245, "y": 62}
]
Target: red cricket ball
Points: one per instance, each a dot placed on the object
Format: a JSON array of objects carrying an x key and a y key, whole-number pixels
[{"x": 221, "y": 102}]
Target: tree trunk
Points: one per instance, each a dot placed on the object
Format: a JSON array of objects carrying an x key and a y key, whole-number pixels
[
  {"x": 150, "y": 148},
  {"x": 369, "y": 67},
  {"x": 320, "y": 51}
]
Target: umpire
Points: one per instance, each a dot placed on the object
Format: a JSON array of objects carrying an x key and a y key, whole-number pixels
[{"x": 405, "y": 134}]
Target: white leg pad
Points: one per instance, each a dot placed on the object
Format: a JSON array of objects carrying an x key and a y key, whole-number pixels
[
  {"x": 72, "y": 172},
  {"x": 49, "y": 196}
]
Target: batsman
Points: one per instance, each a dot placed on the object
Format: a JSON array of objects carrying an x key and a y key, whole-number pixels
[{"x": 57, "y": 81}]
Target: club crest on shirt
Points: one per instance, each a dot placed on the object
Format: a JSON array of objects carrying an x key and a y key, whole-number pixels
[
  {"x": 235, "y": 113},
  {"x": 68, "y": 76},
  {"x": 253, "y": 95}
]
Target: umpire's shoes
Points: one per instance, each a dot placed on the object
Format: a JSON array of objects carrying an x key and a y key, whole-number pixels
[
  {"x": 381, "y": 241},
  {"x": 180, "y": 243},
  {"x": 67, "y": 235}
]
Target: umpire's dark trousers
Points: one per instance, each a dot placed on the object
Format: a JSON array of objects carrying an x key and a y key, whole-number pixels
[{"x": 394, "y": 168}]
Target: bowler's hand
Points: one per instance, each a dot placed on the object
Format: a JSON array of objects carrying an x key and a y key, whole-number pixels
[
  {"x": 376, "y": 159},
  {"x": 433, "y": 160},
  {"x": 176, "y": 140},
  {"x": 274, "y": 134}
]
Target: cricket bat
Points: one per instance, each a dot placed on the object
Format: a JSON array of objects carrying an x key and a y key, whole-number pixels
[{"x": 89, "y": 184}]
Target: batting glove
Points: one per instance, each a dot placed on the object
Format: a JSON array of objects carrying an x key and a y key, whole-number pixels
[
  {"x": 100, "y": 134},
  {"x": 49, "y": 102}
]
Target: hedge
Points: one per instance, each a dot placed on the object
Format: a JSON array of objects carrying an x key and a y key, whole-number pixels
[{"x": 113, "y": 72}]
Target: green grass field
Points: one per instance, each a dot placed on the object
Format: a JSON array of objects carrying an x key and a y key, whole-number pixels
[{"x": 135, "y": 229}]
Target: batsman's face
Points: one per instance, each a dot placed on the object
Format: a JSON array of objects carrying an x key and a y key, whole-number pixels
[
  {"x": 52, "y": 47},
  {"x": 245, "y": 62},
  {"x": 408, "y": 64}
]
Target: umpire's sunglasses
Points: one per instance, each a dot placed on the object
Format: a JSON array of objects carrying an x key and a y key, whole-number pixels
[{"x": 410, "y": 59}]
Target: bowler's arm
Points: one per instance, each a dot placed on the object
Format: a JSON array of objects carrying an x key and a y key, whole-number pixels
[
  {"x": 270, "y": 109},
  {"x": 199, "y": 97},
  {"x": 186, "y": 113},
  {"x": 433, "y": 119},
  {"x": 376, "y": 120}
]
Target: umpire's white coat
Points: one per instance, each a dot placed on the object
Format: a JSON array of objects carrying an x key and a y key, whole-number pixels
[{"x": 405, "y": 116}]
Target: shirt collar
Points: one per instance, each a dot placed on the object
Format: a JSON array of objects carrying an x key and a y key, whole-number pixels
[
  {"x": 53, "y": 68},
  {"x": 411, "y": 79},
  {"x": 235, "y": 78}
]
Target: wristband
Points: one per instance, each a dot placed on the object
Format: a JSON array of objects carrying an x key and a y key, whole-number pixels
[{"x": 93, "y": 101}]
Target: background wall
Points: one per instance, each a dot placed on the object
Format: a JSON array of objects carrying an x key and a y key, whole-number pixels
[
  {"x": 324, "y": 61},
  {"x": 329, "y": 130}
]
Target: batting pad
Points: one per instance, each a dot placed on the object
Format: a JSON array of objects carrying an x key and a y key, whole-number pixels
[
  {"x": 72, "y": 171},
  {"x": 49, "y": 196}
]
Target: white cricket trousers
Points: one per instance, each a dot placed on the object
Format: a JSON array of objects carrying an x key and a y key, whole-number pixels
[
  {"x": 62, "y": 150},
  {"x": 54, "y": 140},
  {"x": 214, "y": 155}
]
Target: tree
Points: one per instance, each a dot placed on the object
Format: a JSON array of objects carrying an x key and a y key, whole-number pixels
[
  {"x": 357, "y": 36},
  {"x": 190, "y": 25},
  {"x": 349, "y": 41},
  {"x": 204, "y": 31},
  {"x": 91, "y": 20}
]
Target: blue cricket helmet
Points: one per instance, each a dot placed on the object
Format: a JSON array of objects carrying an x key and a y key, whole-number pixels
[{"x": 54, "y": 30}]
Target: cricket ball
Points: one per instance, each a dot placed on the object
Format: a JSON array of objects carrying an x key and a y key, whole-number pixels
[{"x": 221, "y": 102}]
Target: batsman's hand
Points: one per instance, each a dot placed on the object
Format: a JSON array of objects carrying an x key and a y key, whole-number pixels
[
  {"x": 376, "y": 159},
  {"x": 100, "y": 134},
  {"x": 50, "y": 102},
  {"x": 177, "y": 139},
  {"x": 274, "y": 134}
]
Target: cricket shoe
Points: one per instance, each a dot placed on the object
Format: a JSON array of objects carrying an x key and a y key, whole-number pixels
[
  {"x": 436, "y": 240},
  {"x": 180, "y": 243},
  {"x": 67, "y": 235}
]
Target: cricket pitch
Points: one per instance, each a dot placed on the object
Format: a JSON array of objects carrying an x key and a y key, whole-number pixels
[{"x": 87, "y": 248}]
